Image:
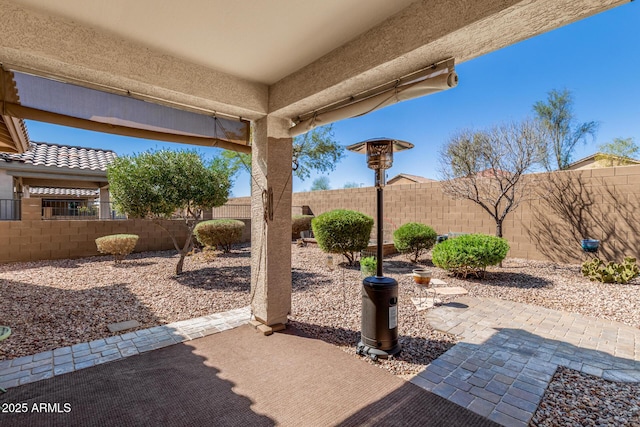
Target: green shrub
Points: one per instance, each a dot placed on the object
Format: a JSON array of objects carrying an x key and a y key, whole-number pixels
[
  {"x": 219, "y": 233},
  {"x": 300, "y": 223},
  {"x": 413, "y": 239},
  {"x": 368, "y": 266},
  {"x": 597, "y": 270},
  {"x": 470, "y": 253},
  {"x": 118, "y": 245},
  {"x": 342, "y": 232}
]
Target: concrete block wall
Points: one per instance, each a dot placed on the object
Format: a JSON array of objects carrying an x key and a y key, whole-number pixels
[
  {"x": 568, "y": 206},
  {"x": 35, "y": 239}
]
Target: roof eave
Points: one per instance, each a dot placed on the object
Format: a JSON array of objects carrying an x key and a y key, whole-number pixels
[{"x": 18, "y": 132}]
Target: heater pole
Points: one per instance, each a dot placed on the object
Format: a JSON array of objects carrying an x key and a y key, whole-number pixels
[{"x": 379, "y": 224}]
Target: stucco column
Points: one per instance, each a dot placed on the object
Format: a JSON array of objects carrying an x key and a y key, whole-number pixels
[
  {"x": 105, "y": 205},
  {"x": 271, "y": 221}
]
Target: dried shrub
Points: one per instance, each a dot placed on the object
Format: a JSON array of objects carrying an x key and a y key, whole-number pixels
[
  {"x": 300, "y": 223},
  {"x": 220, "y": 233},
  {"x": 118, "y": 245}
]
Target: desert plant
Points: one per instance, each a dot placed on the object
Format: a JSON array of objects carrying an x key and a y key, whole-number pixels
[
  {"x": 118, "y": 245},
  {"x": 342, "y": 232},
  {"x": 219, "y": 233},
  {"x": 368, "y": 266},
  {"x": 414, "y": 239},
  {"x": 300, "y": 223},
  {"x": 166, "y": 184},
  {"x": 470, "y": 254},
  {"x": 597, "y": 270}
]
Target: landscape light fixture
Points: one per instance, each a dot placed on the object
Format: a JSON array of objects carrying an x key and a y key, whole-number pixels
[{"x": 379, "y": 327}]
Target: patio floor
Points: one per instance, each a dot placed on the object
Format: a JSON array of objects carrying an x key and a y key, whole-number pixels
[{"x": 235, "y": 377}]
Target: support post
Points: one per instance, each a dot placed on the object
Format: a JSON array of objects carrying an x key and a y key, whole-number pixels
[
  {"x": 271, "y": 221},
  {"x": 104, "y": 211}
]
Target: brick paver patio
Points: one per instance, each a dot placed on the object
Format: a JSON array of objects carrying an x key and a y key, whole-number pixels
[{"x": 509, "y": 352}]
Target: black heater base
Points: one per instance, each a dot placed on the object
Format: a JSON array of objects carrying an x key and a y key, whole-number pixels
[
  {"x": 376, "y": 353},
  {"x": 379, "y": 331}
]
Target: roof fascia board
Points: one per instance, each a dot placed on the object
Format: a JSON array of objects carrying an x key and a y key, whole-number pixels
[
  {"x": 16, "y": 168},
  {"x": 56, "y": 183}
]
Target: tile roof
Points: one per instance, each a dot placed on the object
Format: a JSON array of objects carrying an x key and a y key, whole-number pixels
[
  {"x": 64, "y": 156},
  {"x": 76, "y": 192}
]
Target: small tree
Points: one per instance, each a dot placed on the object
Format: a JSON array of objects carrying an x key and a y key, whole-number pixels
[
  {"x": 562, "y": 132},
  {"x": 315, "y": 150},
  {"x": 320, "y": 183},
  {"x": 168, "y": 184},
  {"x": 487, "y": 167},
  {"x": 351, "y": 185}
]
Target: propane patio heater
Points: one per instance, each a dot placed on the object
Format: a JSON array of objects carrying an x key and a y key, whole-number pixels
[{"x": 379, "y": 327}]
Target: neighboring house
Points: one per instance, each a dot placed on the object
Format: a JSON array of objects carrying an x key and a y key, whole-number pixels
[
  {"x": 405, "y": 178},
  {"x": 601, "y": 160},
  {"x": 72, "y": 181}
]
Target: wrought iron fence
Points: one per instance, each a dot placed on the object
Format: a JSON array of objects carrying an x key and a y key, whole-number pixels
[
  {"x": 10, "y": 210},
  {"x": 243, "y": 211},
  {"x": 79, "y": 210}
]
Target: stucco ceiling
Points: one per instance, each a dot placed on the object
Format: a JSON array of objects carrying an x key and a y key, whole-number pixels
[{"x": 258, "y": 40}]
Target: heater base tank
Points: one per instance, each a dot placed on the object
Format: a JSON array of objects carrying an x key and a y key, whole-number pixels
[{"x": 379, "y": 331}]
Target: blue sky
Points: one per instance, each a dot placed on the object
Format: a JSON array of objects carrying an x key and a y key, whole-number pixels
[{"x": 597, "y": 59}]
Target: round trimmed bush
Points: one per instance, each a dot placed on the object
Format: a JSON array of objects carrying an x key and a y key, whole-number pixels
[
  {"x": 470, "y": 253},
  {"x": 219, "y": 233},
  {"x": 118, "y": 245},
  {"x": 414, "y": 239},
  {"x": 300, "y": 223},
  {"x": 342, "y": 232}
]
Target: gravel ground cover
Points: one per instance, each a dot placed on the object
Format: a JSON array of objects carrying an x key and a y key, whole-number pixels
[
  {"x": 52, "y": 304},
  {"x": 577, "y": 399}
]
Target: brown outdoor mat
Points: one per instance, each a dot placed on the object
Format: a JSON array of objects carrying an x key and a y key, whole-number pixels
[{"x": 234, "y": 378}]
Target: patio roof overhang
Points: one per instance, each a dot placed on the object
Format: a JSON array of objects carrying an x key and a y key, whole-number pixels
[
  {"x": 283, "y": 62},
  {"x": 13, "y": 132}
]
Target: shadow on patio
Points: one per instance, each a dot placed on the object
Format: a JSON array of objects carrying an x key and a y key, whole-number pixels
[{"x": 238, "y": 377}]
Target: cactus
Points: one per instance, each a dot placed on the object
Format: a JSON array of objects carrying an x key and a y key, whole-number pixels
[{"x": 597, "y": 270}]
